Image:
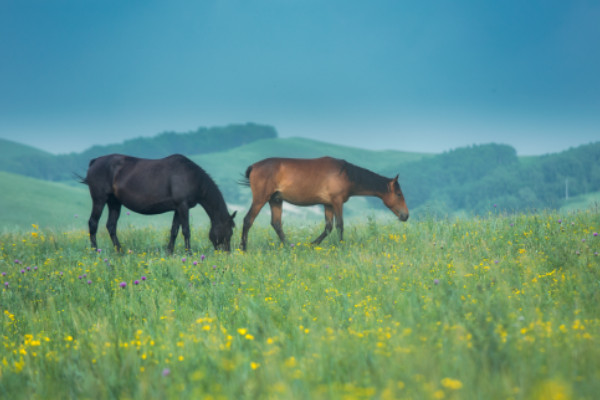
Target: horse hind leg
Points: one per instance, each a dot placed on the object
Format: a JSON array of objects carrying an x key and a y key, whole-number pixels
[
  {"x": 339, "y": 219},
  {"x": 249, "y": 220},
  {"x": 184, "y": 220},
  {"x": 97, "y": 208},
  {"x": 328, "y": 225},
  {"x": 114, "y": 211},
  {"x": 174, "y": 232},
  {"x": 276, "y": 210}
]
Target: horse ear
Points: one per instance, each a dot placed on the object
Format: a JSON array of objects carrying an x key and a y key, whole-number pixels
[
  {"x": 233, "y": 215},
  {"x": 396, "y": 178},
  {"x": 392, "y": 184}
]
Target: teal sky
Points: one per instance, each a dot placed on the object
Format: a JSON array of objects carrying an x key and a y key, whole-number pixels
[{"x": 417, "y": 76}]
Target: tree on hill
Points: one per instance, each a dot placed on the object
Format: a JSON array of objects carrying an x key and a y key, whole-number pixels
[
  {"x": 47, "y": 166},
  {"x": 480, "y": 178}
]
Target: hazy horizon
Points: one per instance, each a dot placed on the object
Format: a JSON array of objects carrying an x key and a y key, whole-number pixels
[{"x": 423, "y": 77}]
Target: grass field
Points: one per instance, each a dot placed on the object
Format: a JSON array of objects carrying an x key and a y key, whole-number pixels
[{"x": 503, "y": 307}]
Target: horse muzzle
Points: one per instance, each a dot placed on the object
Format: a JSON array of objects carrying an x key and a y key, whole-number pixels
[{"x": 402, "y": 216}]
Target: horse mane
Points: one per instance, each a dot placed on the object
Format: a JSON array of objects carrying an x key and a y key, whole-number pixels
[
  {"x": 212, "y": 195},
  {"x": 364, "y": 178}
]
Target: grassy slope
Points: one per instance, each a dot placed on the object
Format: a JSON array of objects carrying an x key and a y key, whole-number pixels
[
  {"x": 10, "y": 149},
  {"x": 25, "y": 201},
  {"x": 581, "y": 203}
]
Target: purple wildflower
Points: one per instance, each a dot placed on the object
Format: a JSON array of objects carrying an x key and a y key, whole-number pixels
[
  {"x": 183, "y": 259},
  {"x": 166, "y": 372},
  {"x": 22, "y": 271},
  {"x": 195, "y": 263},
  {"x": 136, "y": 282},
  {"x": 436, "y": 281},
  {"x": 89, "y": 282},
  {"x": 6, "y": 284},
  {"x": 202, "y": 257},
  {"x": 595, "y": 233},
  {"x": 123, "y": 284},
  {"x": 144, "y": 277}
]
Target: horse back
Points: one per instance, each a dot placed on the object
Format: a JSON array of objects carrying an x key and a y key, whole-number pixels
[{"x": 300, "y": 181}]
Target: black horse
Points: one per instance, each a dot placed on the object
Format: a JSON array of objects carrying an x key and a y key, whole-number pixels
[{"x": 145, "y": 186}]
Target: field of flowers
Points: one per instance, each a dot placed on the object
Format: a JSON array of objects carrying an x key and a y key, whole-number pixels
[{"x": 503, "y": 307}]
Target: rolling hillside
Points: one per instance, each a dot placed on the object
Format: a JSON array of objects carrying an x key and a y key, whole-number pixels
[
  {"x": 67, "y": 204},
  {"x": 464, "y": 181}
]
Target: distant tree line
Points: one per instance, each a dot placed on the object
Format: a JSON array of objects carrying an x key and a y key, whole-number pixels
[
  {"x": 204, "y": 140},
  {"x": 482, "y": 178}
]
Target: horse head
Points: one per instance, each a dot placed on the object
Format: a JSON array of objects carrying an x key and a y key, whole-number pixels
[
  {"x": 394, "y": 200},
  {"x": 221, "y": 232}
]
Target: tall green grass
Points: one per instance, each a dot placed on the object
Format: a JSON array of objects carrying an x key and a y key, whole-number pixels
[{"x": 504, "y": 307}]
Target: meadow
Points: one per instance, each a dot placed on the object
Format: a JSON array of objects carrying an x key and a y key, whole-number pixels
[{"x": 501, "y": 307}]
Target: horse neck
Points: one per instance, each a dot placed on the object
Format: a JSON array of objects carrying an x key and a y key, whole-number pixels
[
  {"x": 366, "y": 183},
  {"x": 214, "y": 204}
]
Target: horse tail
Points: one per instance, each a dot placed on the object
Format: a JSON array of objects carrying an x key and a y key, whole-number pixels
[
  {"x": 80, "y": 179},
  {"x": 245, "y": 181}
]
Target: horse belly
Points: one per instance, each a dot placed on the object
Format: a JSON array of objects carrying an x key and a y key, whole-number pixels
[
  {"x": 144, "y": 202},
  {"x": 304, "y": 198}
]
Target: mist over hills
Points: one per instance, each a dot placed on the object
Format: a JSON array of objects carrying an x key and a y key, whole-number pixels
[{"x": 470, "y": 180}]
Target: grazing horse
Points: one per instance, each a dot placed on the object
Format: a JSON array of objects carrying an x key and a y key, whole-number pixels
[
  {"x": 327, "y": 181},
  {"x": 149, "y": 187}
]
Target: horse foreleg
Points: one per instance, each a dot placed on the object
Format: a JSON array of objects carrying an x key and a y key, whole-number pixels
[
  {"x": 184, "y": 219},
  {"x": 97, "y": 208},
  {"x": 248, "y": 221},
  {"x": 328, "y": 225},
  {"x": 339, "y": 219},
  {"x": 174, "y": 232},
  {"x": 276, "y": 208},
  {"x": 114, "y": 211}
]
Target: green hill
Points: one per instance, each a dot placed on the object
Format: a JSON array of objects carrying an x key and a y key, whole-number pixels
[
  {"x": 35, "y": 163},
  {"x": 25, "y": 201},
  {"x": 67, "y": 205},
  {"x": 483, "y": 178},
  {"x": 465, "y": 181}
]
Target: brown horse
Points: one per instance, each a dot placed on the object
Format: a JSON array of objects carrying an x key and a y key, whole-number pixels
[
  {"x": 327, "y": 181},
  {"x": 145, "y": 186}
]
